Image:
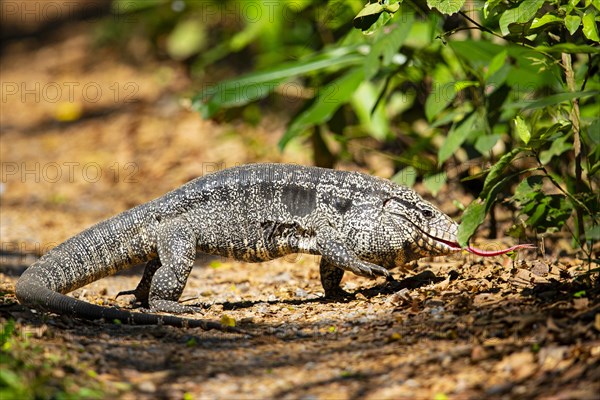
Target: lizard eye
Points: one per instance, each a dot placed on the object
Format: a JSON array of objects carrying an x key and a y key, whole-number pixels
[{"x": 427, "y": 213}]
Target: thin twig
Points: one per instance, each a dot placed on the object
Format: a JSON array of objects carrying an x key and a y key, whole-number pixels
[
  {"x": 575, "y": 119},
  {"x": 491, "y": 32}
]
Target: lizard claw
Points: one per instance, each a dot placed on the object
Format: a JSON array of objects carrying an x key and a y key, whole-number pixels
[
  {"x": 126, "y": 292},
  {"x": 380, "y": 271},
  {"x": 369, "y": 270}
]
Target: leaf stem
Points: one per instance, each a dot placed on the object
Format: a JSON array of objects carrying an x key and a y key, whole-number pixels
[
  {"x": 481, "y": 27},
  {"x": 575, "y": 121}
]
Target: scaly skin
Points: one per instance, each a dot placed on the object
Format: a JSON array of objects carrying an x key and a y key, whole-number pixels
[{"x": 254, "y": 213}]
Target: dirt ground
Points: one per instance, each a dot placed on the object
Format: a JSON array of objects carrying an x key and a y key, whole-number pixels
[{"x": 454, "y": 327}]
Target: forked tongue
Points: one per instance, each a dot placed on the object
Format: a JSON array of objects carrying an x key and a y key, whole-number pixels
[{"x": 493, "y": 253}]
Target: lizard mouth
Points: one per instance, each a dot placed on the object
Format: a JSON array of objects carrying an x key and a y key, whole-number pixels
[{"x": 448, "y": 246}]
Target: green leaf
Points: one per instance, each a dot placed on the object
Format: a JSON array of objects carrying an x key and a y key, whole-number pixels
[
  {"x": 446, "y": 6},
  {"x": 485, "y": 143},
  {"x": 367, "y": 16},
  {"x": 572, "y": 23},
  {"x": 497, "y": 62},
  {"x": 497, "y": 188},
  {"x": 496, "y": 172},
  {"x": 593, "y": 132},
  {"x": 406, "y": 176},
  {"x": 519, "y": 15},
  {"x": 254, "y": 86},
  {"x": 458, "y": 134},
  {"x": 558, "y": 147},
  {"x": 477, "y": 53},
  {"x": 545, "y": 134},
  {"x": 571, "y": 4},
  {"x": 570, "y": 48},
  {"x": 592, "y": 233},
  {"x": 594, "y": 168},
  {"x": 473, "y": 216},
  {"x": 325, "y": 104},
  {"x": 554, "y": 99},
  {"x": 377, "y": 24},
  {"x": 442, "y": 92},
  {"x": 549, "y": 212},
  {"x": 391, "y": 8},
  {"x": 388, "y": 44},
  {"x": 490, "y": 5},
  {"x": 496, "y": 90},
  {"x": 461, "y": 85},
  {"x": 375, "y": 123},
  {"x": 538, "y": 216},
  {"x": 435, "y": 182},
  {"x": 374, "y": 8},
  {"x": 590, "y": 27},
  {"x": 452, "y": 115},
  {"x": 226, "y": 320},
  {"x": 522, "y": 129},
  {"x": 187, "y": 39},
  {"x": 439, "y": 98},
  {"x": 528, "y": 188},
  {"x": 545, "y": 19},
  {"x": 546, "y": 212}
]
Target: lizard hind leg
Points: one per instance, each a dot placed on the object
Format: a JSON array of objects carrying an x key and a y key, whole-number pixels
[
  {"x": 177, "y": 252},
  {"x": 142, "y": 291}
]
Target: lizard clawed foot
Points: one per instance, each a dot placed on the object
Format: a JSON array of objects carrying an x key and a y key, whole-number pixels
[
  {"x": 338, "y": 294},
  {"x": 369, "y": 270}
]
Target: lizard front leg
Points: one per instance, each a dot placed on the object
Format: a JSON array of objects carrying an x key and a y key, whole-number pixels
[
  {"x": 177, "y": 252},
  {"x": 336, "y": 255},
  {"x": 142, "y": 291},
  {"x": 331, "y": 276}
]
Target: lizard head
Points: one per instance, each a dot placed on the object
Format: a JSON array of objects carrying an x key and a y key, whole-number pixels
[
  {"x": 415, "y": 228},
  {"x": 423, "y": 230}
]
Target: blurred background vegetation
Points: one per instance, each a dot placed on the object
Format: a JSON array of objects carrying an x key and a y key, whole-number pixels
[{"x": 499, "y": 96}]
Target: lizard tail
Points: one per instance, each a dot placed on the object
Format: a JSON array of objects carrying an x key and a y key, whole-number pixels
[{"x": 33, "y": 293}]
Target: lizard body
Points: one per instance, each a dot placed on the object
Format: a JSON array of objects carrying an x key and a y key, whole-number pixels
[{"x": 254, "y": 213}]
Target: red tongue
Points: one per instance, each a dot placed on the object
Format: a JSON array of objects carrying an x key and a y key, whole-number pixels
[{"x": 493, "y": 253}]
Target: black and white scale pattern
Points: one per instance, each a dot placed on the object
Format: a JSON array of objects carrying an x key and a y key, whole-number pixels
[{"x": 254, "y": 213}]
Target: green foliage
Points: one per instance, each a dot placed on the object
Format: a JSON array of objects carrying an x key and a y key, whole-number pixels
[
  {"x": 27, "y": 371},
  {"x": 203, "y": 33},
  {"x": 255, "y": 86},
  {"x": 547, "y": 213},
  {"x": 325, "y": 104}
]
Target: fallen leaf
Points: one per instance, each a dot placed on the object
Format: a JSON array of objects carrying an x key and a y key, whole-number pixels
[{"x": 226, "y": 320}]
